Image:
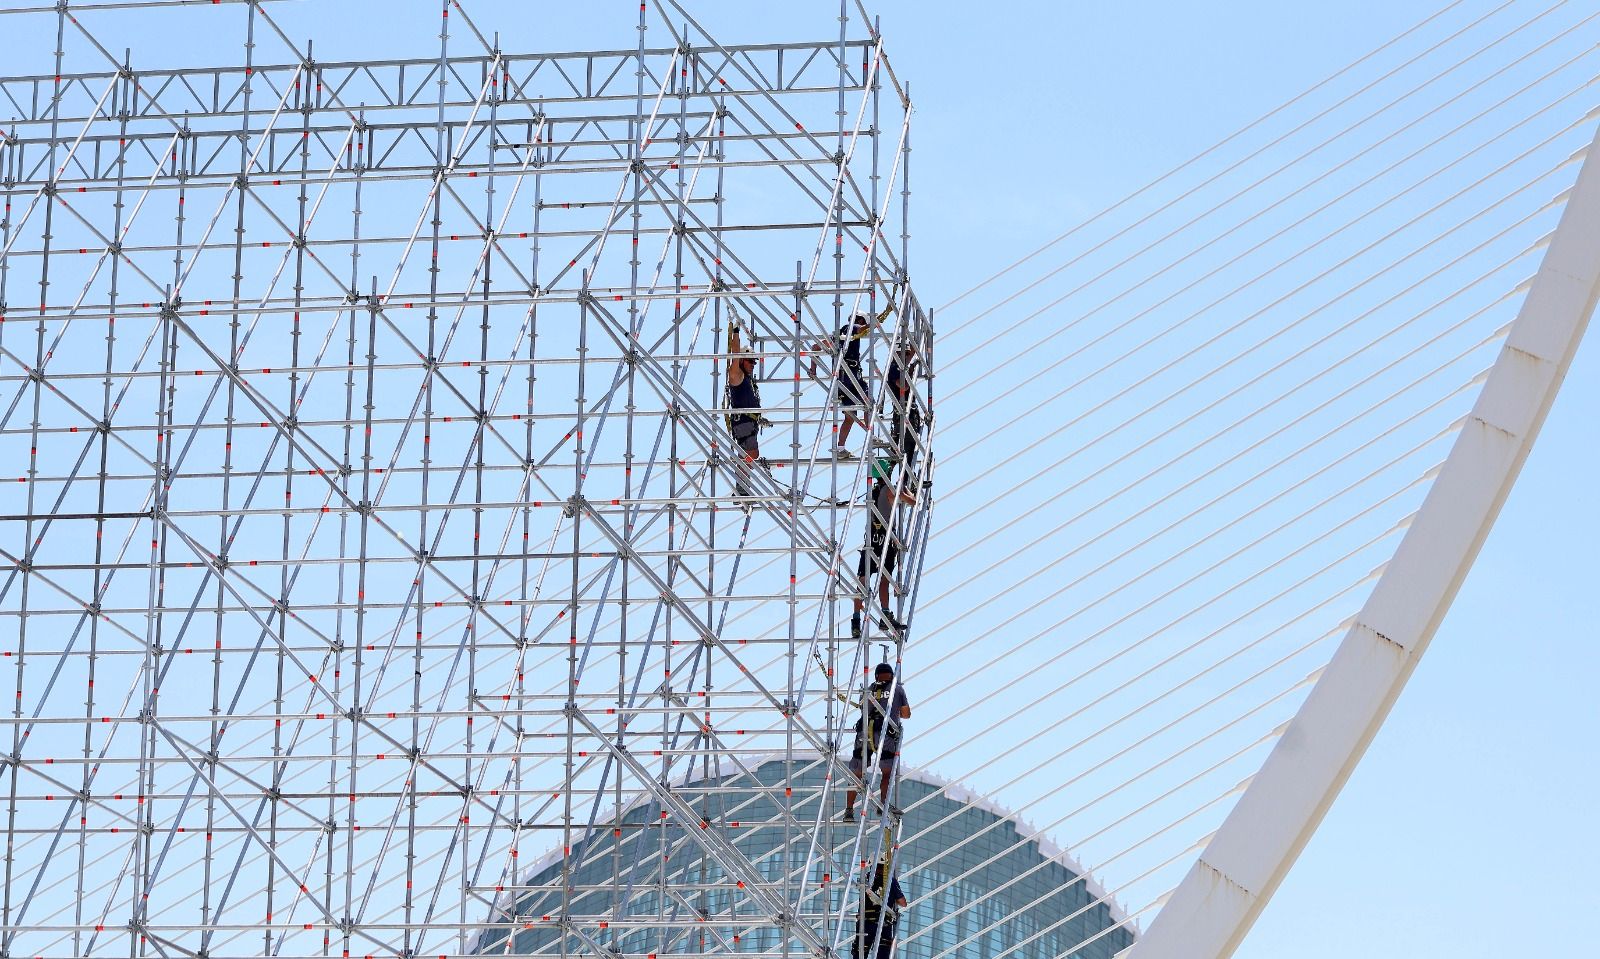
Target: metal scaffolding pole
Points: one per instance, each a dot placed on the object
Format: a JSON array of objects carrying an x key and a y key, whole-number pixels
[{"x": 376, "y": 524}]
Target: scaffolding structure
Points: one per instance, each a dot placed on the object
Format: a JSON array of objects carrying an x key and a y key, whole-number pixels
[{"x": 373, "y": 524}]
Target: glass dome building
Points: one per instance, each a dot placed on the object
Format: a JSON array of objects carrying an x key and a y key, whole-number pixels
[{"x": 980, "y": 883}]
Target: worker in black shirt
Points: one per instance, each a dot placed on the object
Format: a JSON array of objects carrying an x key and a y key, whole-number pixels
[
  {"x": 744, "y": 398},
  {"x": 850, "y": 388},
  {"x": 879, "y": 915},
  {"x": 906, "y": 430},
  {"x": 881, "y": 553},
  {"x": 878, "y": 732}
]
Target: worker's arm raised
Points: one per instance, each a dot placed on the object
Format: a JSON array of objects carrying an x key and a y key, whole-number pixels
[
  {"x": 735, "y": 370},
  {"x": 876, "y": 321},
  {"x": 886, "y": 311}
]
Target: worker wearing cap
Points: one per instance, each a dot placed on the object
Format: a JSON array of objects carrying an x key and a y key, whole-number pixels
[{"x": 878, "y": 732}]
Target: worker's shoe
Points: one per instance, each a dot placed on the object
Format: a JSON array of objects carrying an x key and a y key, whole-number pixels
[
  {"x": 849, "y": 816},
  {"x": 841, "y": 453}
]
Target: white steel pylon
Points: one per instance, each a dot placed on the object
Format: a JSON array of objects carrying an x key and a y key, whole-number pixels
[
  {"x": 376, "y": 523},
  {"x": 1212, "y": 909}
]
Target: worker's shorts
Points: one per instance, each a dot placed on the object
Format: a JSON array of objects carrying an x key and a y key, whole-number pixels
[
  {"x": 849, "y": 390},
  {"x": 746, "y": 432},
  {"x": 878, "y": 559},
  {"x": 886, "y": 759}
]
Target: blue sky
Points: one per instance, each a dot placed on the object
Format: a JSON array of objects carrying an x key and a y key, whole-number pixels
[{"x": 1031, "y": 116}]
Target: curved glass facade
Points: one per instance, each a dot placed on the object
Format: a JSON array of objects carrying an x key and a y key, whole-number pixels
[{"x": 979, "y": 888}]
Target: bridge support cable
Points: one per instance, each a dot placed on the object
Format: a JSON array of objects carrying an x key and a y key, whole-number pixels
[{"x": 1227, "y": 887}]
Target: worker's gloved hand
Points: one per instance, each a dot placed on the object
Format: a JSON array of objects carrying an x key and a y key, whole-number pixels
[{"x": 762, "y": 421}]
